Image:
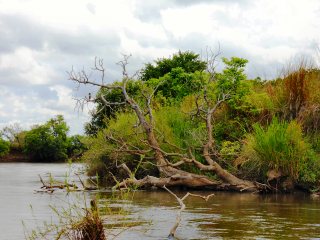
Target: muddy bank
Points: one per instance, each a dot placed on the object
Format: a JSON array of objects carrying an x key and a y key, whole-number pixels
[{"x": 15, "y": 156}]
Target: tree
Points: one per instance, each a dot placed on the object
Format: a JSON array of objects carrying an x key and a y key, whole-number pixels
[
  {"x": 104, "y": 112},
  {"x": 4, "y": 147},
  {"x": 188, "y": 61},
  {"x": 48, "y": 142},
  {"x": 14, "y": 134},
  {"x": 175, "y": 77},
  {"x": 177, "y": 84},
  {"x": 170, "y": 171}
]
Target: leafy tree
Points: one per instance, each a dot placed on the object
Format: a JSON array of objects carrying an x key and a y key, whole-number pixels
[
  {"x": 234, "y": 119},
  {"x": 15, "y": 135},
  {"x": 231, "y": 80},
  {"x": 174, "y": 78},
  {"x": 4, "y": 147},
  {"x": 188, "y": 61},
  {"x": 48, "y": 142},
  {"x": 178, "y": 83},
  {"x": 75, "y": 146}
]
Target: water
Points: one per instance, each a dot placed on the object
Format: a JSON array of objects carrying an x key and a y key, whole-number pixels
[
  {"x": 18, "y": 200},
  {"x": 150, "y": 215}
]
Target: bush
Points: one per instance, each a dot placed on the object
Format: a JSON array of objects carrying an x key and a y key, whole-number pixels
[
  {"x": 105, "y": 154},
  {"x": 48, "y": 142},
  {"x": 4, "y": 147},
  {"x": 281, "y": 146},
  {"x": 75, "y": 146}
]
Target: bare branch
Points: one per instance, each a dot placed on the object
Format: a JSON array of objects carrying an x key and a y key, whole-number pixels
[
  {"x": 211, "y": 59},
  {"x": 107, "y": 103},
  {"x": 182, "y": 207},
  {"x": 128, "y": 171},
  {"x": 98, "y": 66},
  {"x": 123, "y": 64}
]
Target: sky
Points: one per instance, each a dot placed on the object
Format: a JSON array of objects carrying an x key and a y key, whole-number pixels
[{"x": 41, "y": 40}]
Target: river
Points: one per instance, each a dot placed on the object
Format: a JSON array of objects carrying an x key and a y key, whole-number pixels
[{"x": 152, "y": 214}]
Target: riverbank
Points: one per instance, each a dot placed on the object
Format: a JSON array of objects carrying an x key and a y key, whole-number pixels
[
  {"x": 20, "y": 157},
  {"x": 15, "y": 157}
]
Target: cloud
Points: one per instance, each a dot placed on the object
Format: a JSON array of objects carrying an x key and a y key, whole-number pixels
[
  {"x": 92, "y": 8},
  {"x": 42, "y": 40}
]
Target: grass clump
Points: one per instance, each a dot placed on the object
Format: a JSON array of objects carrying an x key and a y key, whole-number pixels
[
  {"x": 74, "y": 223},
  {"x": 282, "y": 147}
]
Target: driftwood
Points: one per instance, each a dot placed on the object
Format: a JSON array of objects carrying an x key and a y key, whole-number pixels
[
  {"x": 50, "y": 188},
  {"x": 182, "y": 207}
]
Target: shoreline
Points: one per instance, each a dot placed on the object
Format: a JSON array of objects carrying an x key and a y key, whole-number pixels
[{"x": 15, "y": 157}]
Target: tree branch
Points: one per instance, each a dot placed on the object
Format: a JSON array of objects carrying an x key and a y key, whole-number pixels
[{"x": 182, "y": 207}]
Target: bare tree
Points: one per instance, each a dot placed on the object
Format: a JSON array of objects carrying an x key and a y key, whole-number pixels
[{"x": 170, "y": 172}]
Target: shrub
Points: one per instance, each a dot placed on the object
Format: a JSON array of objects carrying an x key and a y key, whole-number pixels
[
  {"x": 75, "y": 146},
  {"x": 107, "y": 149},
  {"x": 281, "y": 146},
  {"x": 176, "y": 127},
  {"x": 48, "y": 142},
  {"x": 4, "y": 147},
  {"x": 229, "y": 150}
]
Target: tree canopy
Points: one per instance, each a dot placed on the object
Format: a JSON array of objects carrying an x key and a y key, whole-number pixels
[
  {"x": 48, "y": 142},
  {"x": 188, "y": 61}
]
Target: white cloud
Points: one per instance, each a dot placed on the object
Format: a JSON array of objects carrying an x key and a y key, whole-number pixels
[
  {"x": 23, "y": 63},
  {"x": 42, "y": 39}
]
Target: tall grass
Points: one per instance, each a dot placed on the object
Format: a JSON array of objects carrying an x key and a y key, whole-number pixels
[
  {"x": 74, "y": 223},
  {"x": 281, "y": 146}
]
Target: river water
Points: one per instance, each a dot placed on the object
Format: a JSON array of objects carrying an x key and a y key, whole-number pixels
[{"x": 150, "y": 215}]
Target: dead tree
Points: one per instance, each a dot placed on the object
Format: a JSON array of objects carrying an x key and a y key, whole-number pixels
[{"x": 170, "y": 173}]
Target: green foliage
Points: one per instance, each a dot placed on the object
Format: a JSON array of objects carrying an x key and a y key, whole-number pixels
[
  {"x": 4, "y": 147},
  {"x": 77, "y": 220},
  {"x": 231, "y": 80},
  {"x": 231, "y": 128},
  {"x": 103, "y": 153},
  {"x": 176, "y": 127},
  {"x": 18, "y": 143},
  {"x": 75, "y": 146},
  {"x": 14, "y": 135},
  {"x": 103, "y": 113},
  {"x": 189, "y": 62},
  {"x": 48, "y": 142},
  {"x": 233, "y": 119},
  {"x": 281, "y": 146},
  {"x": 177, "y": 84},
  {"x": 229, "y": 150},
  {"x": 175, "y": 77},
  {"x": 183, "y": 91}
]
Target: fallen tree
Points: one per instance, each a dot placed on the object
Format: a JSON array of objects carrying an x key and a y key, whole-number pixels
[{"x": 171, "y": 173}]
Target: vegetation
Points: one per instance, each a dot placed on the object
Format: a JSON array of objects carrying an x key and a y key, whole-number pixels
[
  {"x": 48, "y": 142},
  {"x": 188, "y": 62},
  {"x": 192, "y": 119},
  {"x": 183, "y": 123},
  {"x": 75, "y": 222},
  {"x": 4, "y": 147},
  {"x": 281, "y": 147}
]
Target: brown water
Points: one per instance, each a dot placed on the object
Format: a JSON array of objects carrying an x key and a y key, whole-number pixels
[
  {"x": 152, "y": 214},
  {"x": 226, "y": 216}
]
